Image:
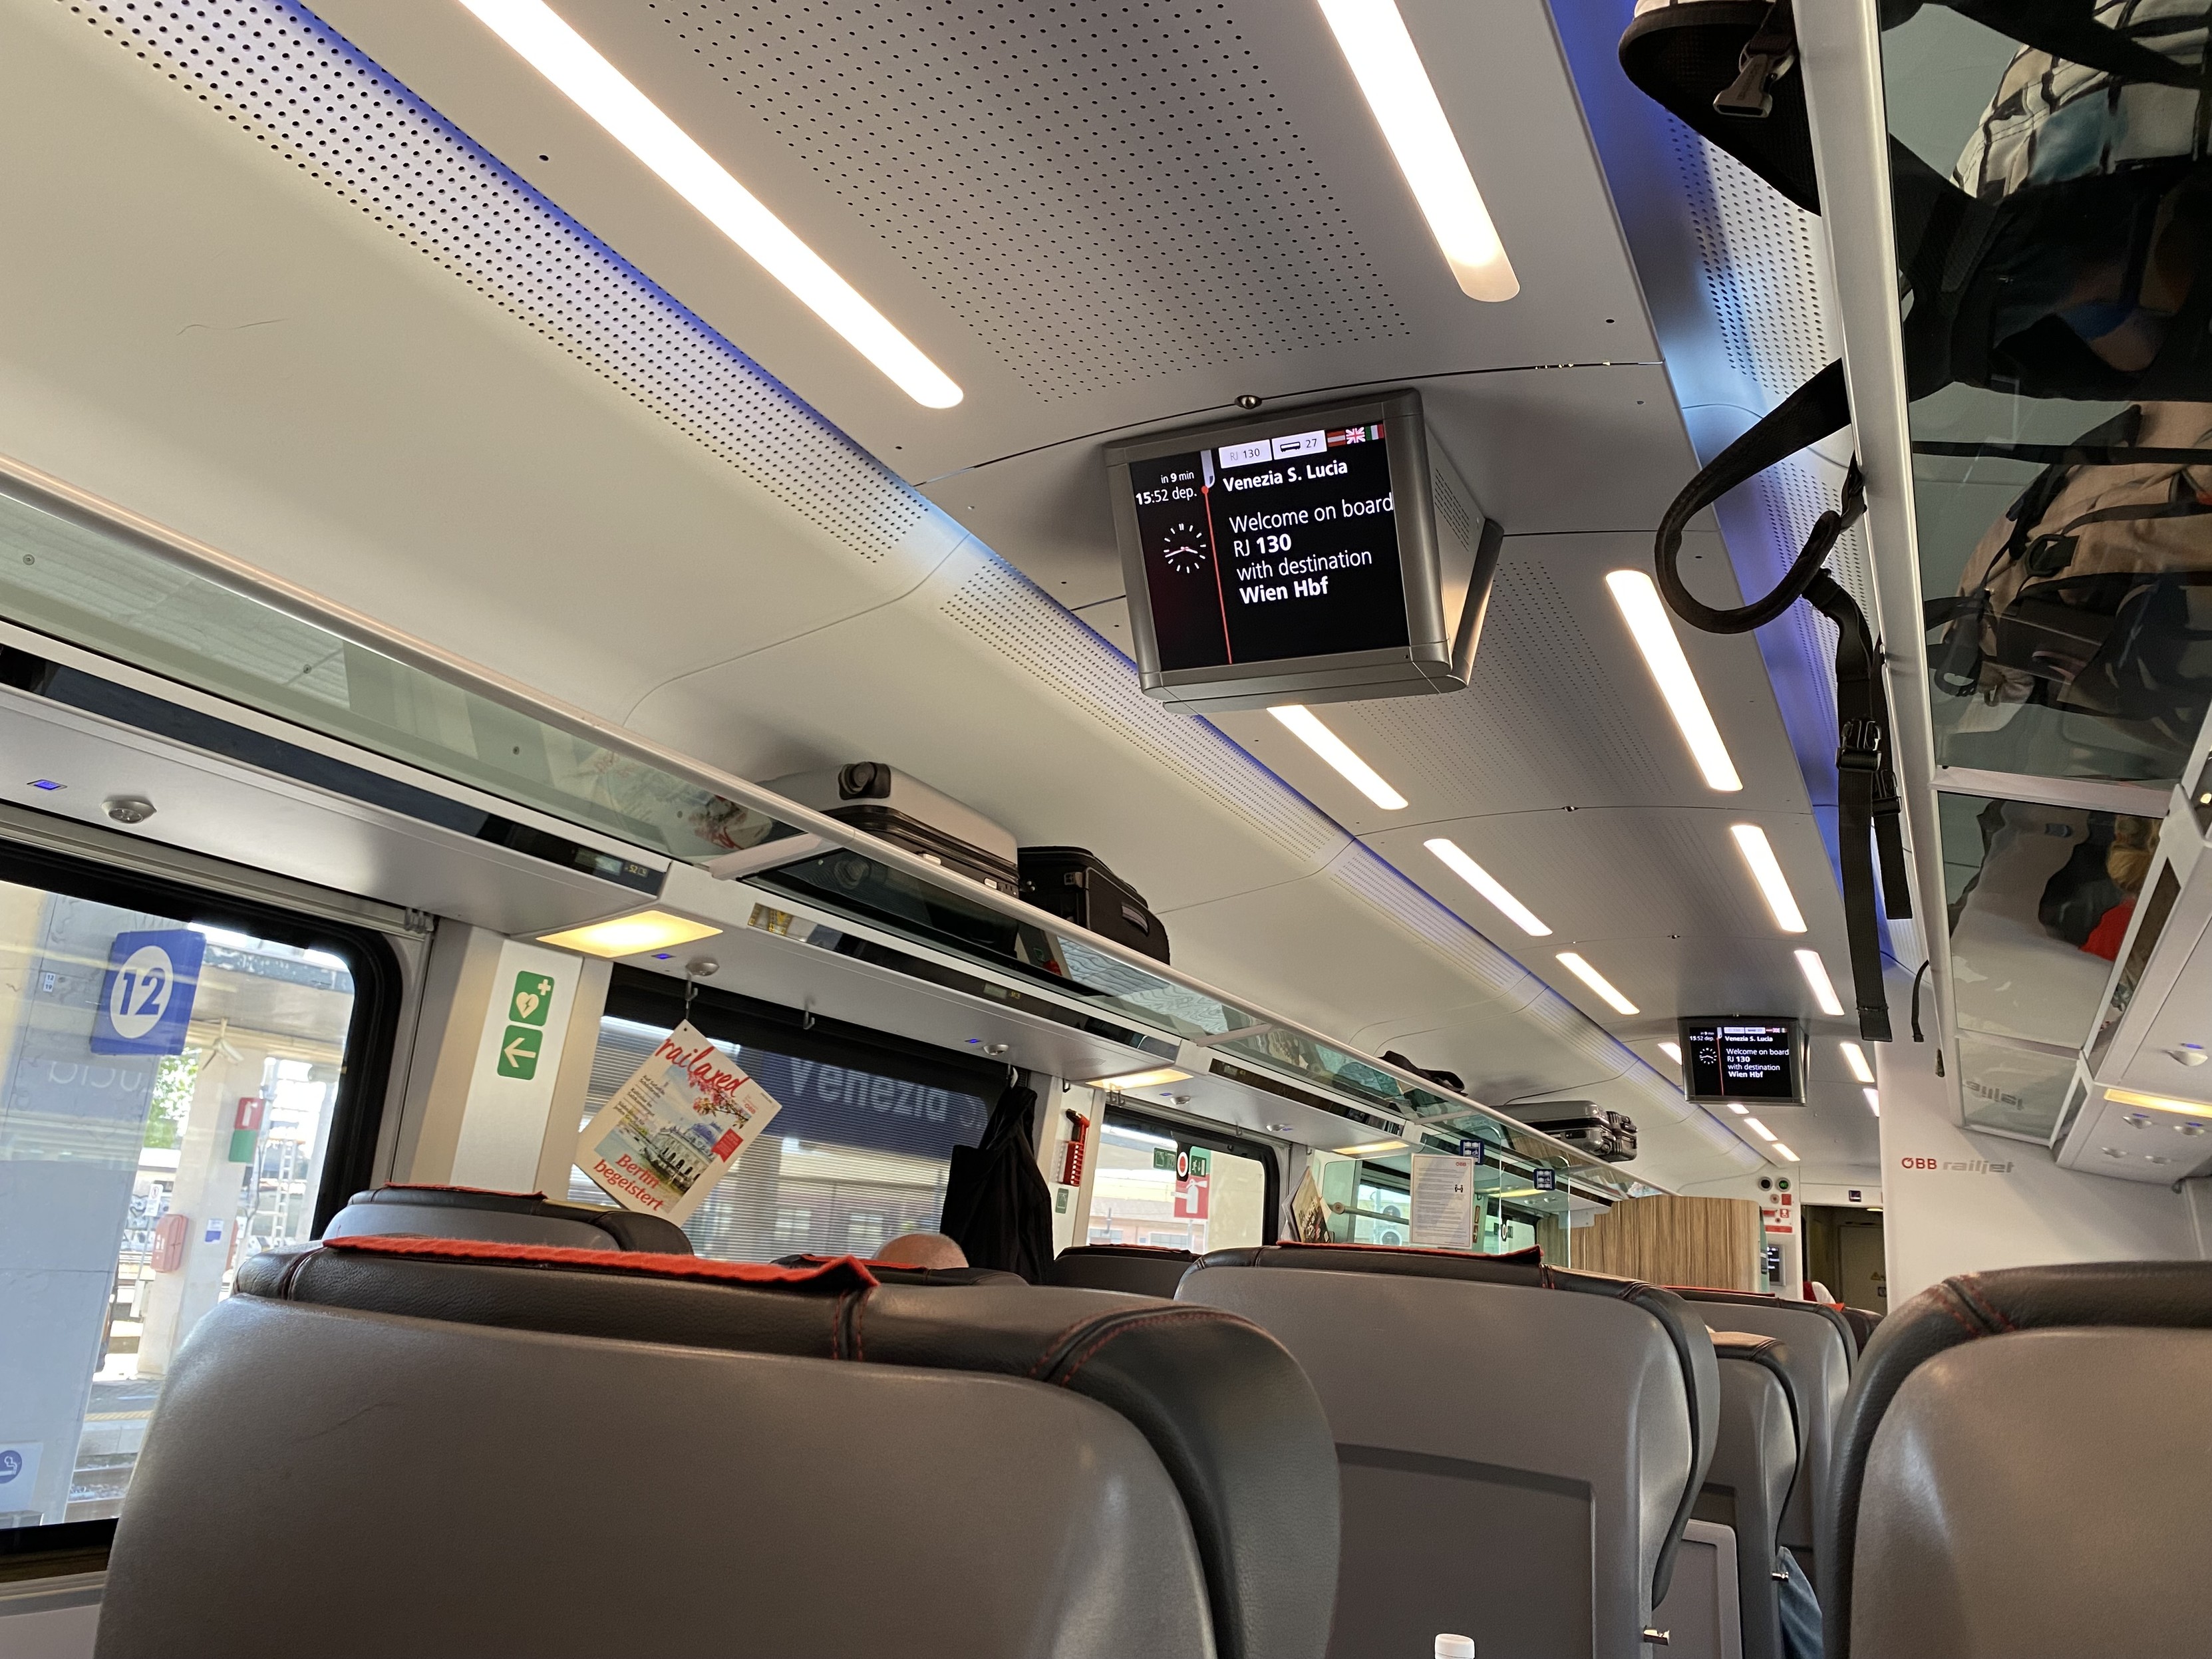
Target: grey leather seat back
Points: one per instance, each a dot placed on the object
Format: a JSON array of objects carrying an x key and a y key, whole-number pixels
[
  {"x": 505, "y": 1218},
  {"x": 1822, "y": 1351},
  {"x": 2024, "y": 1471},
  {"x": 1754, "y": 1466},
  {"x": 341, "y": 1483},
  {"x": 1518, "y": 1459},
  {"x": 1219, "y": 1407},
  {"x": 1137, "y": 1269}
]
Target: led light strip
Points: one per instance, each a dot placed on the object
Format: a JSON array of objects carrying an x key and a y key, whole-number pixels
[
  {"x": 1383, "y": 60},
  {"x": 1306, "y": 727},
  {"x": 573, "y": 65}
]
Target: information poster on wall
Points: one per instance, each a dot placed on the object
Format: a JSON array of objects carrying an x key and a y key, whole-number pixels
[
  {"x": 677, "y": 1127},
  {"x": 1443, "y": 1202}
]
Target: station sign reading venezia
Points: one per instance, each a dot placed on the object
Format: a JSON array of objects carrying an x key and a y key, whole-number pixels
[{"x": 1272, "y": 548}]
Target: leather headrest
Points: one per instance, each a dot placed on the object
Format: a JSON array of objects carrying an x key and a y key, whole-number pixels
[
  {"x": 1228, "y": 1411},
  {"x": 1966, "y": 1309},
  {"x": 444, "y": 1212}
]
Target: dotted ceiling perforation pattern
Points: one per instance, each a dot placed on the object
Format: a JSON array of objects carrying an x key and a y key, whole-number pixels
[
  {"x": 285, "y": 77},
  {"x": 1757, "y": 252},
  {"x": 1031, "y": 160},
  {"x": 1003, "y": 608},
  {"x": 1758, "y": 266},
  {"x": 1540, "y": 721}
]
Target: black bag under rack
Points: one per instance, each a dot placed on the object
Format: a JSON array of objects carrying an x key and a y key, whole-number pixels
[{"x": 1073, "y": 881}]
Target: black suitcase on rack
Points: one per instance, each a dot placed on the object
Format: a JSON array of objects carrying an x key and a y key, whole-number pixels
[{"x": 1071, "y": 881}]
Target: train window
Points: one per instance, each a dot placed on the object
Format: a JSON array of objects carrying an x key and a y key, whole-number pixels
[
  {"x": 1166, "y": 1183},
  {"x": 185, "y": 1080},
  {"x": 860, "y": 1151}
]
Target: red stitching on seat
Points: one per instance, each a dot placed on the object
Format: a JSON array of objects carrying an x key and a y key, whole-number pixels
[
  {"x": 1968, "y": 1287},
  {"x": 1950, "y": 1307},
  {"x": 1091, "y": 1353},
  {"x": 841, "y": 1274}
]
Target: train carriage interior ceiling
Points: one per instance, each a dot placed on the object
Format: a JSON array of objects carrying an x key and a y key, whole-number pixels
[
  {"x": 494, "y": 402},
  {"x": 480, "y": 480}
]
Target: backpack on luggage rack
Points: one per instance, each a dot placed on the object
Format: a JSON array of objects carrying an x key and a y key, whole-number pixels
[
  {"x": 2092, "y": 594},
  {"x": 2071, "y": 269}
]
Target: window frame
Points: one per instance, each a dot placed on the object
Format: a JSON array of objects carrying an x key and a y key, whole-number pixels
[
  {"x": 656, "y": 999},
  {"x": 357, "y": 1108},
  {"x": 1213, "y": 1138}
]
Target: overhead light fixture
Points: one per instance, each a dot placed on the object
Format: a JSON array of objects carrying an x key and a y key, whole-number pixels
[
  {"x": 1598, "y": 982},
  {"x": 1152, "y": 1079},
  {"x": 1370, "y": 1148},
  {"x": 1759, "y": 1129},
  {"x": 1873, "y": 1101},
  {"x": 1640, "y": 608},
  {"x": 1786, "y": 1153},
  {"x": 1672, "y": 1051},
  {"x": 2158, "y": 1102},
  {"x": 1486, "y": 885},
  {"x": 1739, "y": 1109},
  {"x": 1816, "y": 976},
  {"x": 1373, "y": 38},
  {"x": 1306, "y": 727},
  {"x": 574, "y": 66},
  {"x": 630, "y": 935},
  {"x": 1855, "y": 1057},
  {"x": 1766, "y": 870}
]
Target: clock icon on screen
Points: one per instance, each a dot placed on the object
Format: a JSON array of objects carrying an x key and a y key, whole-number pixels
[{"x": 1184, "y": 548}]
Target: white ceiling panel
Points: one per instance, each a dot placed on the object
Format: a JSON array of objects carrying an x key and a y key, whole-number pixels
[
  {"x": 360, "y": 421},
  {"x": 1089, "y": 219}
]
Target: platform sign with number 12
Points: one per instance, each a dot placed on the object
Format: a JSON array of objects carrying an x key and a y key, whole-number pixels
[{"x": 146, "y": 999}]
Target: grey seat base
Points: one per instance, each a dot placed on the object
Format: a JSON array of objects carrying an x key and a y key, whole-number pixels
[{"x": 345, "y": 1484}]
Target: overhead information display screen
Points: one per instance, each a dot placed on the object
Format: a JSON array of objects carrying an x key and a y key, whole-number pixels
[
  {"x": 1270, "y": 548},
  {"x": 1746, "y": 1059},
  {"x": 1325, "y": 553}
]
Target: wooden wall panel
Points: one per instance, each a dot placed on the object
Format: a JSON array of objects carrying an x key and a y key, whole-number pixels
[{"x": 1713, "y": 1242}]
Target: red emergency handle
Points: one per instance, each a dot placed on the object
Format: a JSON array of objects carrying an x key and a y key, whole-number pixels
[
  {"x": 169, "y": 1235},
  {"x": 1078, "y": 1137}
]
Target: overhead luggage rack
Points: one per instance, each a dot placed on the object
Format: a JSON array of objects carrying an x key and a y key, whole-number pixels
[{"x": 105, "y": 581}]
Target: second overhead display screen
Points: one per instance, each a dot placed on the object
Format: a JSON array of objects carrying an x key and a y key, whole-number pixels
[
  {"x": 1272, "y": 547},
  {"x": 1737, "y": 1060}
]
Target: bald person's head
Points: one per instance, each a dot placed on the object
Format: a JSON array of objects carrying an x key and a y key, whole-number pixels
[{"x": 923, "y": 1250}]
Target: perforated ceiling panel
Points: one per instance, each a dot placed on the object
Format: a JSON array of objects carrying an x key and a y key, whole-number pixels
[
  {"x": 299, "y": 89},
  {"x": 1540, "y": 721},
  {"x": 1005, "y": 609},
  {"x": 1034, "y": 162}
]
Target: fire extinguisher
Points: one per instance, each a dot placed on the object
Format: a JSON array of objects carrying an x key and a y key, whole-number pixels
[{"x": 1072, "y": 1150}]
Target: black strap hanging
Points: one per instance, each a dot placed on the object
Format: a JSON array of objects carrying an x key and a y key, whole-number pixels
[{"x": 1868, "y": 803}]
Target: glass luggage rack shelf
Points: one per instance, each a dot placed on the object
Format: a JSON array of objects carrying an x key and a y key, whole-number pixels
[{"x": 82, "y": 570}]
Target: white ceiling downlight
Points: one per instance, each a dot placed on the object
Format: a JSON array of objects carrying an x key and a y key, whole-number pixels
[
  {"x": 1640, "y": 608},
  {"x": 573, "y": 65},
  {"x": 1388, "y": 70},
  {"x": 1307, "y": 727},
  {"x": 1486, "y": 885}
]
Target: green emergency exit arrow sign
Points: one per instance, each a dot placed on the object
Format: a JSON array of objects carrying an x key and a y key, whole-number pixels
[{"x": 519, "y": 1051}]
